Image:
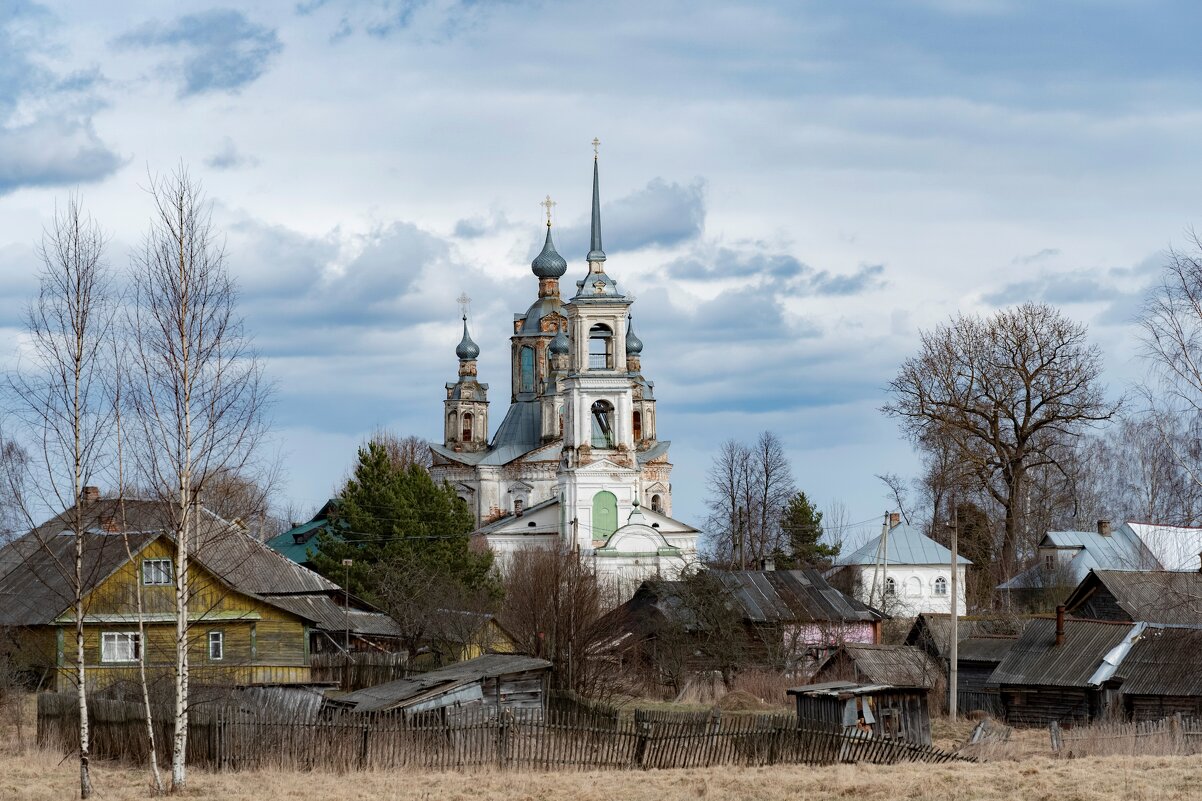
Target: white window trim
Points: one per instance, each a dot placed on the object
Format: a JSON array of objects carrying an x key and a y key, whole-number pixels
[
  {"x": 114, "y": 638},
  {"x": 220, "y": 635},
  {"x": 146, "y": 576},
  {"x": 939, "y": 581}
]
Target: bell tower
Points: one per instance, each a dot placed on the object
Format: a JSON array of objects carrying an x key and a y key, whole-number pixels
[
  {"x": 599, "y": 476},
  {"x": 466, "y": 408}
]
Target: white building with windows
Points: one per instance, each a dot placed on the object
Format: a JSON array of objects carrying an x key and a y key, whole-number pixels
[
  {"x": 576, "y": 461},
  {"x": 903, "y": 572}
]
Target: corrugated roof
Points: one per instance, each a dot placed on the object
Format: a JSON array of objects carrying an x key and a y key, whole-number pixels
[
  {"x": 1152, "y": 596},
  {"x": 896, "y": 665},
  {"x": 990, "y": 648},
  {"x": 330, "y": 617},
  {"x": 1121, "y": 550},
  {"x": 791, "y": 596},
  {"x": 1036, "y": 660},
  {"x": 932, "y": 631},
  {"x": 394, "y": 693},
  {"x": 1163, "y": 661},
  {"x": 907, "y": 546}
]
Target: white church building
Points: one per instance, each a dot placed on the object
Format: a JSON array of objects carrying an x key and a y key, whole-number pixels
[{"x": 576, "y": 462}]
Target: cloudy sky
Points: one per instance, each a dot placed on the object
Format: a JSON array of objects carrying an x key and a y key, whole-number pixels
[{"x": 792, "y": 191}]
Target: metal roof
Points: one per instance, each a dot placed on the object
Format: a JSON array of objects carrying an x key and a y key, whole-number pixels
[
  {"x": 1152, "y": 596},
  {"x": 1120, "y": 550},
  {"x": 896, "y": 665},
  {"x": 1036, "y": 660},
  {"x": 907, "y": 546},
  {"x": 990, "y": 648},
  {"x": 1163, "y": 661},
  {"x": 330, "y": 616},
  {"x": 395, "y": 693},
  {"x": 791, "y": 596},
  {"x": 1175, "y": 547},
  {"x": 837, "y": 688}
]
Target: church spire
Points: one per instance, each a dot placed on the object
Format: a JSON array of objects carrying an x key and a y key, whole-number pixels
[{"x": 596, "y": 253}]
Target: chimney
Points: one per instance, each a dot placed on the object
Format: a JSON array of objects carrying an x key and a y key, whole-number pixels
[
  {"x": 90, "y": 494},
  {"x": 894, "y": 519},
  {"x": 1104, "y": 528},
  {"x": 768, "y": 563},
  {"x": 1060, "y": 625},
  {"x": 108, "y": 523}
]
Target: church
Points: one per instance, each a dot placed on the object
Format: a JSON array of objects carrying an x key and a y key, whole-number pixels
[{"x": 576, "y": 462}]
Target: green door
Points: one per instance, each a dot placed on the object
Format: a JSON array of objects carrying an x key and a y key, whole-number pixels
[{"x": 605, "y": 514}]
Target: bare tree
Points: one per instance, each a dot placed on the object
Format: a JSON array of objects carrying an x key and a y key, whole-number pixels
[
  {"x": 200, "y": 395},
  {"x": 898, "y": 493},
  {"x": 772, "y": 481},
  {"x": 1005, "y": 394},
  {"x": 749, "y": 487},
  {"x": 404, "y": 451},
  {"x": 61, "y": 393}
]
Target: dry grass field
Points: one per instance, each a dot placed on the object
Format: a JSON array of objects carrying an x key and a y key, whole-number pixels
[{"x": 1022, "y": 773}]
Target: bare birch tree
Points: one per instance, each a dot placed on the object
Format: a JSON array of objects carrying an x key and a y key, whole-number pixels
[
  {"x": 749, "y": 487},
  {"x": 200, "y": 393},
  {"x": 60, "y": 390}
]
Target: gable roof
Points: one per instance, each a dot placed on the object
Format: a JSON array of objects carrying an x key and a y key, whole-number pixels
[
  {"x": 1151, "y": 596},
  {"x": 1120, "y": 550},
  {"x": 394, "y": 694},
  {"x": 1175, "y": 547},
  {"x": 931, "y": 631},
  {"x": 1164, "y": 660},
  {"x": 1036, "y": 660},
  {"x": 297, "y": 543},
  {"x": 35, "y": 588},
  {"x": 895, "y": 665},
  {"x": 791, "y": 596},
  {"x": 906, "y": 546}
]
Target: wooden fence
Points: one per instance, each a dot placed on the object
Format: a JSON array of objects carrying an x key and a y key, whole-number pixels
[
  {"x": 365, "y": 668},
  {"x": 226, "y": 739},
  {"x": 1174, "y": 736}
]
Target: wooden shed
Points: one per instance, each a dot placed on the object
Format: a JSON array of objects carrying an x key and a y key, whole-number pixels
[
  {"x": 492, "y": 682},
  {"x": 1162, "y": 674},
  {"x": 895, "y": 713}
]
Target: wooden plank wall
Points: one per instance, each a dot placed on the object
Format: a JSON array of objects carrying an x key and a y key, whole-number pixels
[{"x": 231, "y": 738}]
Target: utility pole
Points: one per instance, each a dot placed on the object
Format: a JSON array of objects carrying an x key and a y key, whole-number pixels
[
  {"x": 346, "y": 616},
  {"x": 954, "y": 650}
]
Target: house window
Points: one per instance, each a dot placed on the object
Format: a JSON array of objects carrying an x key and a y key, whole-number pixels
[
  {"x": 467, "y": 427},
  {"x": 600, "y": 348},
  {"x": 120, "y": 646},
  {"x": 941, "y": 586},
  {"x": 526, "y": 358},
  {"x": 603, "y": 430},
  {"x": 1049, "y": 561},
  {"x": 156, "y": 572},
  {"x": 216, "y": 646},
  {"x": 890, "y": 586}
]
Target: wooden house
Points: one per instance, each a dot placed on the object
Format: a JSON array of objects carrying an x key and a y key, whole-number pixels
[
  {"x": 789, "y": 618},
  {"x": 983, "y": 643},
  {"x": 492, "y": 683},
  {"x": 1129, "y": 596},
  {"x": 1056, "y": 670},
  {"x": 895, "y": 713},
  {"x": 252, "y": 613},
  {"x": 1161, "y": 675}
]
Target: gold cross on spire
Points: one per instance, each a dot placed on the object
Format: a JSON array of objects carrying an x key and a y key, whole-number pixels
[
  {"x": 548, "y": 204},
  {"x": 596, "y": 146},
  {"x": 463, "y": 300}
]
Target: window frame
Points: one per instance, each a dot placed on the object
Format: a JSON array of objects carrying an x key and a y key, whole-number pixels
[
  {"x": 939, "y": 586},
  {"x": 602, "y": 433},
  {"x": 158, "y": 562},
  {"x": 217, "y": 637},
  {"x": 890, "y": 586},
  {"x": 114, "y": 638}
]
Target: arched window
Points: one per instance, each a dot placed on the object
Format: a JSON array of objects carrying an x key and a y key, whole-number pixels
[
  {"x": 451, "y": 425},
  {"x": 657, "y": 504},
  {"x": 941, "y": 586},
  {"x": 526, "y": 366},
  {"x": 605, "y": 514},
  {"x": 603, "y": 428},
  {"x": 467, "y": 426},
  {"x": 638, "y": 426},
  {"x": 600, "y": 348},
  {"x": 890, "y": 586}
]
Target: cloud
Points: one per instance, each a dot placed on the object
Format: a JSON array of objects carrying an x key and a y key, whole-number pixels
[
  {"x": 47, "y": 137},
  {"x": 227, "y": 157},
  {"x": 1079, "y": 286},
  {"x": 661, "y": 214},
  {"x": 755, "y": 261},
  {"x": 225, "y": 50},
  {"x": 1032, "y": 258}
]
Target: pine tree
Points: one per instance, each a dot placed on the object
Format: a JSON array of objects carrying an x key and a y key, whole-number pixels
[{"x": 802, "y": 527}]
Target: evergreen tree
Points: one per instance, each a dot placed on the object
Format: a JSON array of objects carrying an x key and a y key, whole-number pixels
[
  {"x": 389, "y": 518},
  {"x": 801, "y": 523}
]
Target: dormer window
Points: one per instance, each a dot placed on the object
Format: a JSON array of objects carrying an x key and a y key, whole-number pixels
[
  {"x": 603, "y": 429},
  {"x": 600, "y": 348}
]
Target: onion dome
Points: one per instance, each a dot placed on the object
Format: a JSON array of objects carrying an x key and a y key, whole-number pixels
[
  {"x": 548, "y": 263},
  {"x": 559, "y": 345},
  {"x": 467, "y": 350},
  {"x": 634, "y": 345}
]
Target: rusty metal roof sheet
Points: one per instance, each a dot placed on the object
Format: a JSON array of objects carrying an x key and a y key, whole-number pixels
[
  {"x": 1036, "y": 660},
  {"x": 791, "y": 596},
  {"x": 395, "y": 693},
  {"x": 897, "y": 665}
]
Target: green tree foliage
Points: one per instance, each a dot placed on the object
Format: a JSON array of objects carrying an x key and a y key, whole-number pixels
[
  {"x": 389, "y": 518},
  {"x": 802, "y": 527}
]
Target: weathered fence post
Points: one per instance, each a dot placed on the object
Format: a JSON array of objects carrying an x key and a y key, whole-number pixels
[
  {"x": 505, "y": 719},
  {"x": 1054, "y": 731},
  {"x": 642, "y": 735},
  {"x": 363, "y": 746}
]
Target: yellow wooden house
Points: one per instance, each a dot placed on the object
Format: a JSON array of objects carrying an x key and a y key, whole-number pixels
[{"x": 251, "y": 612}]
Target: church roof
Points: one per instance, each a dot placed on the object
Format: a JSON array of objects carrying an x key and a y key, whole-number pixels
[
  {"x": 519, "y": 433},
  {"x": 548, "y": 263},
  {"x": 531, "y": 323}
]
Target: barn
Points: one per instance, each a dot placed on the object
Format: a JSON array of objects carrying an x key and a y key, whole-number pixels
[{"x": 894, "y": 713}]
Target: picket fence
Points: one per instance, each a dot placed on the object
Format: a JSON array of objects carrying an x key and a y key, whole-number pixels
[
  {"x": 229, "y": 739},
  {"x": 1178, "y": 735}
]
